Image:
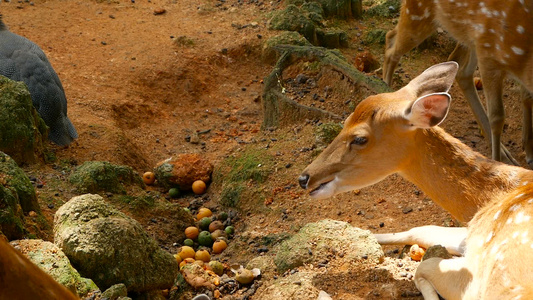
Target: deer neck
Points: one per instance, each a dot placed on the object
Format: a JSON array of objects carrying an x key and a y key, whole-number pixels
[{"x": 454, "y": 176}]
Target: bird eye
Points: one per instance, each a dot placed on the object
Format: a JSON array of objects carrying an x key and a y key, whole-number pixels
[{"x": 359, "y": 140}]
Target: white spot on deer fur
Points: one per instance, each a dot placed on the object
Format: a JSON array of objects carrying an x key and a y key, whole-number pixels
[
  {"x": 530, "y": 201},
  {"x": 520, "y": 29},
  {"x": 509, "y": 221},
  {"x": 498, "y": 47},
  {"x": 486, "y": 45},
  {"x": 499, "y": 256},
  {"x": 519, "y": 196},
  {"x": 521, "y": 217},
  {"x": 497, "y": 214},
  {"x": 517, "y": 51},
  {"x": 515, "y": 234},
  {"x": 515, "y": 206},
  {"x": 479, "y": 28},
  {"x": 407, "y": 10},
  {"x": 504, "y": 14},
  {"x": 492, "y": 30},
  {"x": 419, "y": 4},
  {"x": 525, "y": 183},
  {"x": 489, "y": 237}
]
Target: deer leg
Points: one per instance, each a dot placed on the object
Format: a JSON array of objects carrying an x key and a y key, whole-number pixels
[
  {"x": 467, "y": 60},
  {"x": 493, "y": 81},
  {"x": 407, "y": 34},
  {"x": 451, "y": 238},
  {"x": 446, "y": 277},
  {"x": 527, "y": 125}
]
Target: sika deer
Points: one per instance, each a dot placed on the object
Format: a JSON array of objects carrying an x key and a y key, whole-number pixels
[
  {"x": 398, "y": 133},
  {"x": 496, "y": 35}
]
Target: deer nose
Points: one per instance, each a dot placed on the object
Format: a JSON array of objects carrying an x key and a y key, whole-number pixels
[{"x": 303, "y": 180}]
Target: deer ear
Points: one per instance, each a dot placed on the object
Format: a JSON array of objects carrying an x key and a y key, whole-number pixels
[
  {"x": 436, "y": 79},
  {"x": 429, "y": 110}
]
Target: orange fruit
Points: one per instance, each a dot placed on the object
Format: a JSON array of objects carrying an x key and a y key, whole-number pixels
[
  {"x": 219, "y": 246},
  {"x": 199, "y": 187},
  {"x": 187, "y": 252},
  {"x": 191, "y": 232},
  {"x": 203, "y": 212},
  {"x": 148, "y": 178},
  {"x": 202, "y": 255}
]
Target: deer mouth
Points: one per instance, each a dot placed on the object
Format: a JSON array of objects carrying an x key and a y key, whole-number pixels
[{"x": 324, "y": 190}]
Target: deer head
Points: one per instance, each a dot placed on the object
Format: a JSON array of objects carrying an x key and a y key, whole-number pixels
[{"x": 378, "y": 137}]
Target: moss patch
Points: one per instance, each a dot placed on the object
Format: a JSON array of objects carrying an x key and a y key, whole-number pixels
[{"x": 98, "y": 176}]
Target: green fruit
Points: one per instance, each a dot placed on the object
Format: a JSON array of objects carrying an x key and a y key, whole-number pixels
[
  {"x": 229, "y": 230},
  {"x": 204, "y": 223},
  {"x": 187, "y": 209},
  {"x": 217, "y": 267},
  {"x": 205, "y": 239},
  {"x": 174, "y": 193},
  {"x": 223, "y": 216},
  {"x": 188, "y": 242}
]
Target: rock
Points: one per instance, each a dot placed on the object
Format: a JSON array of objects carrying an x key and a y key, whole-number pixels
[
  {"x": 387, "y": 8},
  {"x": 332, "y": 38},
  {"x": 270, "y": 55},
  {"x": 326, "y": 238},
  {"x": 293, "y": 18},
  {"x": 110, "y": 247},
  {"x": 22, "y": 131},
  {"x": 17, "y": 195},
  {"x": 182, "y": 170},
  {"x": 101, "y": 176},
  {"x": 436, "y": 251},
  {"x": 294, "y": 286},
  {"x": 265, "y": 263},
  {"x": 115, "y": 291},
  {"x": 341, "y": 9},
  {"x": 55, "y": 263},
  {"x": 375, "y": 36},
  {"x": 326, "y": 133}
]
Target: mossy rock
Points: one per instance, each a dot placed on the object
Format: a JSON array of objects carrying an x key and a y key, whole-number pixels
[
  {"x": 375, "y": 36},
  {"x": 55, "y": 263},
  {"x": 22, "y": 131},
  {"x": 342, "y": 9},
  {"x": 270, "y": 55},
  {"x": 293, "y": 18},
  {"x": 332, "y": 38},
  {"x": 327, "y": 132},
  {"x": 17, "y": 195},
  {"x": 386, "y": 9},
  {"x": 101, "y": 176},
  {"x": 326, "y": 238}
]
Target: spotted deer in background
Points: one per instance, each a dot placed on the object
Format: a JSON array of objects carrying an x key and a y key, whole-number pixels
[
  {"x": 397, "y": 133},
  {"x": 495, "y": 35}
]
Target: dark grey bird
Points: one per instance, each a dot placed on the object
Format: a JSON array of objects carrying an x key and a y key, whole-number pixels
[{"x": 23, "y": 60}]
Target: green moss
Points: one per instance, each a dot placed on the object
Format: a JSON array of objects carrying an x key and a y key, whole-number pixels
[
  {"x": 375, "y": 36},
  {"x": 234, "y": 173},
  {"x": 326, "y": 133},
  {"x": 97, "y": 176},
  {"x": 143, "y": 201},
  {"x": 18, "y": 183},
  {"x": 231, "y": 195},
  {"x": 386, "y": 9},
  {"x": 22, "y": 131}
]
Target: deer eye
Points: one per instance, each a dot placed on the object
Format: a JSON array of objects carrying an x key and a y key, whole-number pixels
[{"x": 359, "y": 140}]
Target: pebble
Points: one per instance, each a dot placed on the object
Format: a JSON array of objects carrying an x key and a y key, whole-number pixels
[{"x": 407, "y": 210}]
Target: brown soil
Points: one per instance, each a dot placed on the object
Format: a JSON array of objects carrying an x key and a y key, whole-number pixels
[{"x": 138, "y": 84}]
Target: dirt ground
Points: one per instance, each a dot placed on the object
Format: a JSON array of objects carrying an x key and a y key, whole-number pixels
[{"x": 139, "y": 83}]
